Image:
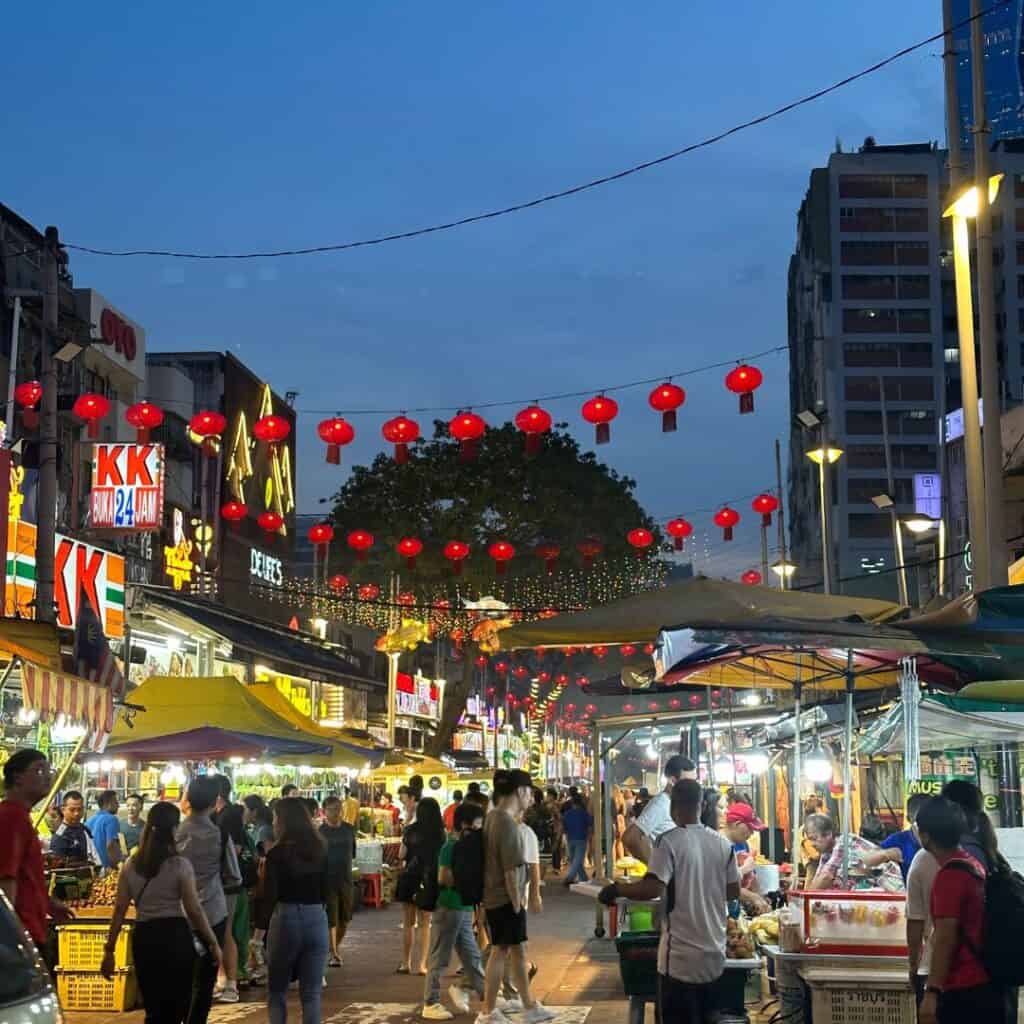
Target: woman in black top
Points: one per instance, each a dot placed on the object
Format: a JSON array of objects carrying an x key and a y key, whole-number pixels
[
  {"x": 295, "y": 887},
  {"x": 417, "y": 885}
]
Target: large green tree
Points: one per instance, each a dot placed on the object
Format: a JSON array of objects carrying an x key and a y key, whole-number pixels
[{"x": 562, "y": 496}]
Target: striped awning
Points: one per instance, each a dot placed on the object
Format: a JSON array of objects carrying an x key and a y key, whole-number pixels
[{"x": 80, "y": 701}]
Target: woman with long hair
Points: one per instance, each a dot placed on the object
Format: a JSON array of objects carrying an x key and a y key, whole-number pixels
[
  {"x": 162, "y": 885},
  {"x": 712, "y": 809},
  {"x": 417, "y": 889},
  {"x": 295, "y": 889},
  {"x": 618, "y": 809}
]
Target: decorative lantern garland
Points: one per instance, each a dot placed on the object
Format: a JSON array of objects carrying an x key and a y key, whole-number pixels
[
  {"x": 678, "y": 529},
  {"x": 727, "y": 518},
  {"x": 335, "y": 433},
  {"x": 534, "y": 422},
  {"x": 208, "y": 426},
  {"x": 409, "y": 548},
  {"x": 666, "y": 398},
  {"x": 401, "y": 432},
  {"x": 744, "y": 380},
  {"x": 144, "y": 417},
  {"x": 764, "y": 505},
  {"x": 600, "y": 410},
  {"x": 27, "y": 395},
  {"x": 91, "y": 408},
  {"x": 467, "y": 428}
]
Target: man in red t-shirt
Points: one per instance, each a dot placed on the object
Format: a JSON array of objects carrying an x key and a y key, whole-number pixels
[
  {"x": 26, "y": 781},
  {"x": 958, "y": 988},
  {"x": 449, "y": 811}
]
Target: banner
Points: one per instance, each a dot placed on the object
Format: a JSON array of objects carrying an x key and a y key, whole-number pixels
[{"x": 127, "y": 487}]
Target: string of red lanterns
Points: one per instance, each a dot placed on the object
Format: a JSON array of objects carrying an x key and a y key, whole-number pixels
[{"x": 28, "y": 395}]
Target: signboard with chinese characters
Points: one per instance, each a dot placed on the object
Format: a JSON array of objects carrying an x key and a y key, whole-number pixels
[
  {"x": 417, "y": 696},
  {"x": 940, "y": 767},
  {"x": 77, "y": 567},
  {"x": 928, "y": 495},
  {"x": 127, "y": 487}
]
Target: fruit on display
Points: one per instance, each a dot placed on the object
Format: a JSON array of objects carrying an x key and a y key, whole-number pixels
[
  {"x": 738, "y": 944},
  {"x": 102, "y": 893},
  {"x": 765, "y": 928}
]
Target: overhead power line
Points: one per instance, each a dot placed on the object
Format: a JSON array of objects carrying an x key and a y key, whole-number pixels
[{"x": 563, "y": 193}]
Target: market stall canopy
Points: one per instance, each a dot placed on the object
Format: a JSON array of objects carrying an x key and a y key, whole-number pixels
[
  {"x": 30, "y": 640},
  {"x": 946, "y": 723},
  {"x": 229, "y": 711},
  {"x": 288, "y": 650},
  {"x": 694, "y": 603}
]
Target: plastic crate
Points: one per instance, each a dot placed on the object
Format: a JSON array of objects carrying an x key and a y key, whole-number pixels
[
  {"x": 80, "y": 947},
  {"x": 89, "y": 990},
  {"x": 862, "y": 1005},
  {"x": 638, "y": 962}
]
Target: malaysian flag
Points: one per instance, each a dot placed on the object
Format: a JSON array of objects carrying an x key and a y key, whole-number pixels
[{"x": 95, "y": 662}]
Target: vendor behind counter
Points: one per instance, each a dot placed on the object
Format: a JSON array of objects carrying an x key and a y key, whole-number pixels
[{"x": 866, "y": 870}]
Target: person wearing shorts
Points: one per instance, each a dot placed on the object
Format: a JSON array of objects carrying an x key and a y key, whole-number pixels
[{"x": 340, "y": 838}]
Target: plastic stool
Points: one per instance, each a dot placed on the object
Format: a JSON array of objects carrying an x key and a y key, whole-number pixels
[{"x": 373, "y": 893}]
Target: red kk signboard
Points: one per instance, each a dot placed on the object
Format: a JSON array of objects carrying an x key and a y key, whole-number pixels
[{"x": 127, "y": 487}]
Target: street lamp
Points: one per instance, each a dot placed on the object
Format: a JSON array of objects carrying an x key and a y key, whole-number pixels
[
  {"x": 784, "y": 570},
  {"x": 919, "y": 525},
  {"x": 826, "y": 454},
  {"x": 960, "y": 211},
  {"x": 884, "y": 503}
]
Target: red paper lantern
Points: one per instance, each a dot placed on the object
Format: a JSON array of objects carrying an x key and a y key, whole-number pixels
[
  {"x": 600, "y": 410},
  {"x": 744, "y": 380},
  {"x": 234, "y": 512},
  {"x": 589, "y": 548},
  {"x": 653, "y": 706},
  {"x": 751, "y": 577},
  {"x": 726, "y": 518},
  {"x": 501, "y": 667},
  {"x": 544, "y": 677},
  {"x": 590, "y": 709},
  {"x": 271, "y": 429},
  {"x": 338, "y": 582},
  {"x": 502, "y": 552},
  {"x": 409, "y": 548},
  {"x": 694, "y": 699},
  {"x": 481, "y": 661},
  {"x": 640, "y": 539},
  {"x": 208, "y": 426},
  {"x": 561, "y": 679},
  {"x": 520, "y": 671},
  {"x": 491, "y": 690},
  {"x": 599, "y": 652},
  {"x": 321, "y": 534},
  {"x": 765, "y": 505},
  {"x": 27, "y": 395},
  {"x": 368, "y": 592},
  {"x": 539, "y": 652},
  {"x": 675, "y": 703},
  {"x": 91, "y": 408},
  {"x": 360, "y": 541},
  {"x": 401, "y": 432},
  {"x": 144, "y": 417},
  {"x": 467, "y": 428},
  {"x": 406, "y": 598},
  {"x": 549, "y": 553},
  {"x": 335, "y": 432},
  {"x": 582, "y": 681},
  {"x": 628, "y": 709},
  {"x": 456, "y": 552},
  {"x": 648, "y": 649},
  {"x": 678, "y": 529},
  {"x": 627, "y": 650},
  {"x": 270, "y": 522},
  {"x": 534, "y": 422},
  {"x": 666, "y": 398}
]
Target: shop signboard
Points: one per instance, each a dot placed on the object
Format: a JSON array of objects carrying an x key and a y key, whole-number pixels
[
  {"x": 77, "y": 567},
  {"x": 416, "y": 696},
  {"x": 127, "y": 487},
  {"x": 940, "y": 767}
]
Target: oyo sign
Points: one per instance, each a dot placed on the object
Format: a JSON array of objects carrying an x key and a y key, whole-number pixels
[
  {"x": 266, "y": 567},
  {"x": 118, "y": 333},
  {"x": 127, "y": 487}
]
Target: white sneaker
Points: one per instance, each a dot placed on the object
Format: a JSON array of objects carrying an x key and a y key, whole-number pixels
[
  {"x": 496, "y": 1017},
  {"x": 436, "y": 1011},
  {"x": 538, "y": 1013},
  {"x": 459, "y": 998},
  {"x": 508, "y": 1005},
  {"x": 228, "y": 994}
]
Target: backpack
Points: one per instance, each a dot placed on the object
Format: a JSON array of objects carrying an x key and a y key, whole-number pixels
[
  {"x": 1003, "y": 935},
  {"x": 249, "y": 863},
  {"x": 468, "y": 867}
]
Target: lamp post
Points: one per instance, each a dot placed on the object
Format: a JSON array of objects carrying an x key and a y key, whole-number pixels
[
  {"x": 885, "y": 503},
  {"x": 825, "y": 455},
  {"x": 922, "y": 524},
  {"x": 960, "y": 211},
  {"x": 784, "y": 570}
]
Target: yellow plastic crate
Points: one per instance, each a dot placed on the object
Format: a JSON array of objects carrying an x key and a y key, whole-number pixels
[
  {"x": 89, "y": 990},
  {"x": 80, "y": 947},
  {"x": 863, "y": 1005}
]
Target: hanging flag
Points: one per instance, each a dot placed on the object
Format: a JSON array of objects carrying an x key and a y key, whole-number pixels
[{"x": 96, "y": 662}]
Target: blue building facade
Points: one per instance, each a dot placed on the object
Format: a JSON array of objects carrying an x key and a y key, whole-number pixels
[{"x": 1004, "y": 69}]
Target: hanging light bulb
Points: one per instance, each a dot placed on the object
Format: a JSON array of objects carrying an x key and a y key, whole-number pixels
[
  {"x": 817, "y": 763},
  {"x": 725, "y": 769},
  {"x": 757, "y": 760}
]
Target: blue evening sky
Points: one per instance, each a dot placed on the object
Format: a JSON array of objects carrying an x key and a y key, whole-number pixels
[{"x": 237, "y": 127}]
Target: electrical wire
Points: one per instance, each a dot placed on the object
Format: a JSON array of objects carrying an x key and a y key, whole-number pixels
[{"x": 563, "y": 193}]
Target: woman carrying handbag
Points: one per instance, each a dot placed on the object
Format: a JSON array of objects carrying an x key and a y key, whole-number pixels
[{"x": 169, "y": 920}]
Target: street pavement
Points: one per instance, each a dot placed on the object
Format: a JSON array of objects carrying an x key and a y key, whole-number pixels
[{"x": 578, "y": 974}]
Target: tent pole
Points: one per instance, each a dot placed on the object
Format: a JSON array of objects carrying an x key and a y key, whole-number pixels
[
  {"x": 598, "y": 802},
  {"x": 797, "y": 771},
  {"x": 848, "y": 768},
  {"x": 711, "y": 740}
]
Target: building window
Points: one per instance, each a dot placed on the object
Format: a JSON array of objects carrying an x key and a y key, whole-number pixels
[
  {"x": 1018, "y": 219},
  {"x": 911, "y": 254},
  {"x": 869, "y": 286},
  {"x": 869, "y": 321},
  {"x": 867, "y": 254},
  {"x": 910, "y": 186},
  {"x": 883, "y": 186},
  {"x": 915, "y": 321},
  {"x": 867, "y": 353},
  {"x": 869, "y": 525},
  {"x": 901, "y": 220},
  {"x": 865, "y": 456},
  {"x": 910, "y": 389},
  {"x": 914, "y": 286},
  {"x": 916, "y": 353},
  {"x": 858, "y": 422}
]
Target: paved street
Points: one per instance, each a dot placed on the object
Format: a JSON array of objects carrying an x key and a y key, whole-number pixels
[{"x": 578, "y": 974}]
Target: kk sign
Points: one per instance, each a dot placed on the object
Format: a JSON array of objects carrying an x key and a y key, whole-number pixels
[
  {"x": 78, "y": 568},
  {"x": 127, "y": 487}
]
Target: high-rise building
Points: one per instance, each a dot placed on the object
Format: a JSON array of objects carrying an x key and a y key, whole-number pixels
[
  {"x": 872, "y": 317},
  {"x": 1004, "y": 68}
]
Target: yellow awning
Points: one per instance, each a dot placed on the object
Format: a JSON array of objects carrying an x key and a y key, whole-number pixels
[{"x": 33, "y": 641}]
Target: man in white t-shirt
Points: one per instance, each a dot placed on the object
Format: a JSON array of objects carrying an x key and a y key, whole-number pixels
[
  {"x": 694, "y": 869},
  {"x": 923, "y": 869},
  {"x": 656, "y": 818}
]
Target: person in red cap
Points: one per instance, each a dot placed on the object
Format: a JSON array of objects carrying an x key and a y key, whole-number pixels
[{"x": 740, "y": 824}]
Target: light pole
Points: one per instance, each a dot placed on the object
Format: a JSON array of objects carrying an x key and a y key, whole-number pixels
[
  {"x": 960, "y": 211},
  {"x": 826, "y": 454},
  {"x": 921, "y": 524},
  {"x": 784, "y": 570},
  {"x": 885, "y": 503}
]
